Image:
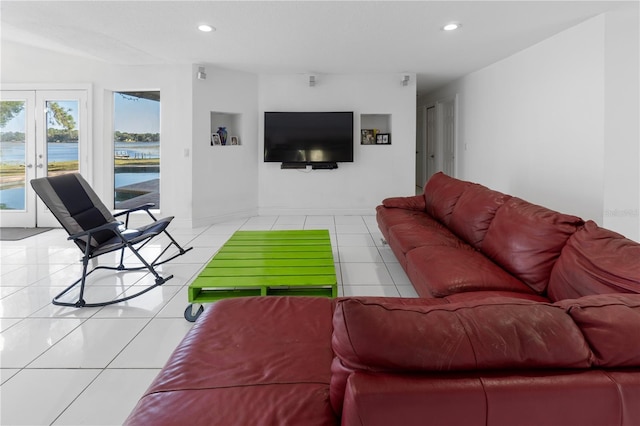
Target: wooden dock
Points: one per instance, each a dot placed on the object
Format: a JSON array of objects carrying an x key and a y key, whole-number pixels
[{"x": 143, "y": 192}]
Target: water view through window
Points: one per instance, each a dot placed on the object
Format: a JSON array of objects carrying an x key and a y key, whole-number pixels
[
  {"x": 61, "y": 138},
  {"x": 136, "y": 140},
  {"x": 12, "y": 155}
]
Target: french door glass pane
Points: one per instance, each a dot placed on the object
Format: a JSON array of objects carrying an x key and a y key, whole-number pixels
[
  {"x": 136, "y": 140},
  {"x": 12, "y": 155},
  {"x": 62, "y": 137}
]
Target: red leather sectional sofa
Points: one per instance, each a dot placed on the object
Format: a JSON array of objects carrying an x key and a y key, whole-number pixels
[
  {"x": 463, "y": 241},
  {"x": 526, "y": 316}
]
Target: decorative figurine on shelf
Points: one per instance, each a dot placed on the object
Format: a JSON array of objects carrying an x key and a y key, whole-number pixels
[{"x": 222, "y": 131}]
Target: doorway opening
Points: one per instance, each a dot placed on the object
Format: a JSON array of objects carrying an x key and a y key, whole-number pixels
[{"x": 437, "y": 140}]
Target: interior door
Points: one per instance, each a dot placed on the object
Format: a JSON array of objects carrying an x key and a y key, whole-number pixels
[
  {"x": 448, "y": 119},
  {"x": 52, "y": 141},
  {"x": 431, "y": 142},
  {"x": 420, "y": 149}
]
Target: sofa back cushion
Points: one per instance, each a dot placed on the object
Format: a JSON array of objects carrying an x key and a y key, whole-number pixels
[
  {"x": 441, "y": 193},
  {"x": 526, "y": 240},
  {"x": 611, "y": 325},
  {"x": 501, "y": 333},
  {"x": 474, "y": 211},
  {"x": 595, "y": 261}
]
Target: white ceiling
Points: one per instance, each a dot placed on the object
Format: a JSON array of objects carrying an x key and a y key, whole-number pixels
[{"x": 297, "y": 36}]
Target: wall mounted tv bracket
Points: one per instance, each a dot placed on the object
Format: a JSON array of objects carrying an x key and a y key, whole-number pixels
[
  {"x": 324, "y": 166},
  {"x": 314, "y": 166},
  {"x": 293, "y": 166}
]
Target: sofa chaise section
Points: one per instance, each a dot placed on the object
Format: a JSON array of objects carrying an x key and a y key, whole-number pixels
[{"x": 247, "y": 361}]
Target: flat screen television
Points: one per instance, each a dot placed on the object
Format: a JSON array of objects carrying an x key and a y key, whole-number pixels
[{"x": 308, "y": 137}]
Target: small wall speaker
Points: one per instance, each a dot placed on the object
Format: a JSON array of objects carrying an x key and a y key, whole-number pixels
[{"x": 201, "y": 74}]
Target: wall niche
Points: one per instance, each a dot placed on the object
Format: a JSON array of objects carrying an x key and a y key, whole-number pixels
[
  {"x": 225, "y": 129},
  {"x": 375, "y": 129}
]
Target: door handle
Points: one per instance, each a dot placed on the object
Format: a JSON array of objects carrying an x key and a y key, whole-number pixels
[
  {"x": 29, "y": 166},
  {"x": 39, "y": 165}
]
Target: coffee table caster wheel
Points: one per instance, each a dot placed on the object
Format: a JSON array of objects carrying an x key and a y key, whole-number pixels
[{"x": 191, "y": 314}]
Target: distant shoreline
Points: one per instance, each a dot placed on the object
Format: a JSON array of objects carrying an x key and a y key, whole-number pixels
[{"x": 12, "y": 175}]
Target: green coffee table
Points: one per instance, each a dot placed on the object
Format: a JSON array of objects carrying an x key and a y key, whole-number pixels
[{"x": 266, "y": 263}]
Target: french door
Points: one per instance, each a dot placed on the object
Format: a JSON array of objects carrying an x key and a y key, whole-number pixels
[{"x": 42, "y": 133}]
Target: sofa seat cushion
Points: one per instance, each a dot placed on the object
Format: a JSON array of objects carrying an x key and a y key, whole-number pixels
[
  {"x": 388, "y": 217},
  {"x": 526, "y": 240},
  {"x": 595, "y": 261},
  {"x": 269, "y": 357},
  {"x": 408, "y": 236},
  {"x": 611, "y": 325},
  {"x": 437, "y": 271}
]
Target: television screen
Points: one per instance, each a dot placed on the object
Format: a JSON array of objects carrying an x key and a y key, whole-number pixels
[{"x": 308, "y": 137}]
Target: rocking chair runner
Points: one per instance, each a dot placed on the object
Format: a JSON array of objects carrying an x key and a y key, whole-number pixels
[{"x": 96, "y": 231}]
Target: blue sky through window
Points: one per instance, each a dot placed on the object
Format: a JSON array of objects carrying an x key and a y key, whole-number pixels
[
  {"x": 16, "y": 124},
  {"x": 136, "y": 115}
]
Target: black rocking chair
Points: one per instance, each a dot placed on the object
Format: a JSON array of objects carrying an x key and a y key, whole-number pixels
[{"x": 96, "y": 231}]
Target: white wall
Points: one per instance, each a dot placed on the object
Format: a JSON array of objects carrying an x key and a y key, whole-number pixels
[
  {"x": 224, "y": 177},
  {"x": 545, "y": 124},
  {"x": 621, "y": 121},
  {"x": 377, "y": 171},
  {"x": 201, "y": 184},
  {"x": 42, "y": 69}
]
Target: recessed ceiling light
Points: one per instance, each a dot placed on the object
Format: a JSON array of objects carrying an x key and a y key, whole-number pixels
[
  {"x": 451, "y": 27},
  {"x": 205, "y": 28}
]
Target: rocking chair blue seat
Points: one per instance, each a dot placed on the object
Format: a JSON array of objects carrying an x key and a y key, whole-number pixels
[{"x": 96, "y": 231}]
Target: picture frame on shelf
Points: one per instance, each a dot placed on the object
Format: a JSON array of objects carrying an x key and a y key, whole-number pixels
[
  {"x": 235, "y": 140},
  {"x": 215, "y": 139},
  {"x": 368, "y": 136},
  {"x": 383, "y": 139}
]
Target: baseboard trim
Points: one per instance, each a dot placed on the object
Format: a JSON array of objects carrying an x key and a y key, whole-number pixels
[
  {"x": 212, "y": 220},
  {"x": 316, "y": 212}
]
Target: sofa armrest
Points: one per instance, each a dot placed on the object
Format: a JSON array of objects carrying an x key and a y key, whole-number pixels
[{"x": 415, "y": 202}]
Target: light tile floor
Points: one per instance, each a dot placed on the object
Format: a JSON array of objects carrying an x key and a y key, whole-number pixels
[{"x": 89, "y": 366}]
